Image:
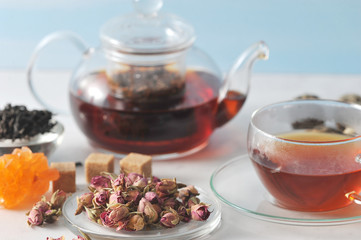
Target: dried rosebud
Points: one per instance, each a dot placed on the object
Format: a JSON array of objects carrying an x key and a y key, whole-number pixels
[
  {"x": 137, "y": 180},
  {"x": 170, "y": 202},
  {"x": 145, "y": 207},
  {"x": 188, "y": 191},
  {"x": 99, "y": 182},
  {"x": 51, "y": 215},
  {"x": 112, "y": 217},
  {"x": 184, "y": 214},
  {"x": 166, "y": 187},
  {"x": 79, "y": 238},
  {"x": 151, "y": 197},
  {"x": 200, "y": 212},
  {"x": 133, "y": 195},
  {"x": 155, "y": 180},
  {"x": 93, "y": 213},
  {"x": 135, "y": 223},
  {"x": 85, "y": 200},
  {"x": 116, "y": 197},
  {"x": 193, "y": 201},
  {"x": 122, "y": 225},
  {"x": 157, "y": 208},
  {"x": 100, "y": 198},
  {"x": 169, "y": 218},
  {"x": 141, "y": 183},
  {"x": 134, "y": 177},
  {"x": 61, "y": 238},
  {"x": 119, "y": 213},
  {"x": 42, "y": 206},
  {"x": 35, "y": 217},
  {"x": 57, "y": 199},
  {"x": 119, "y": 183}
]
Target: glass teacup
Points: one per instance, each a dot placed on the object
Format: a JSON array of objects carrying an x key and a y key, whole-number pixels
[{"x": 307, "y": 153}]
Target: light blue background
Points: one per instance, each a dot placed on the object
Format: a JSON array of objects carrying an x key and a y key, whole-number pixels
[{"x": 305, "y": 36}]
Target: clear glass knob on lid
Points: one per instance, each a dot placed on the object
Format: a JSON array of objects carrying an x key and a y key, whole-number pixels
[
  {"x": 147, "y": 31},
  {"x": 147, "y": 88}
]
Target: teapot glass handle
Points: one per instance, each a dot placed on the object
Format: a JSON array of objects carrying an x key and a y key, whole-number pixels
[{"x": 57, "y": 36}]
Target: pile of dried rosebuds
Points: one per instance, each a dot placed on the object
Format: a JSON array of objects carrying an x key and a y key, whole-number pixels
[
  {"x": 46, "y": 211},
  {"x": 132, "y": 202}
]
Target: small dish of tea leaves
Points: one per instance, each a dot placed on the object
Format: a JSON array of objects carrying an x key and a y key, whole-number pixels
[{"x": 35, "y": 129}]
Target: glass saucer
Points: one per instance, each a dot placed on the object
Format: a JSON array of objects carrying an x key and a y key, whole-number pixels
[
  {"x": 237, "y": 185},
  {"x": 192, "y": 230}
]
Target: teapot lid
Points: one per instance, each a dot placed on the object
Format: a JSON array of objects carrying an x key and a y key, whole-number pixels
[{"x": 147, "y": 30}]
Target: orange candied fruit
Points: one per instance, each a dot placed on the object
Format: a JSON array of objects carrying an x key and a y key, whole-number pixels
[{"x": 24, "y": 177}]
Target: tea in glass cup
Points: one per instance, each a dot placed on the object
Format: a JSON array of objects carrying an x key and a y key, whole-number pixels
[{"x": 307, "y": 153}]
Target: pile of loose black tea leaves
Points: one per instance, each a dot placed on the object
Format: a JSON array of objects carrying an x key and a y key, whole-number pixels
[
  {"x": 307, "y": 97},
  {"x": 351, "y": 98},
  {"x": 17, "y": 122}
]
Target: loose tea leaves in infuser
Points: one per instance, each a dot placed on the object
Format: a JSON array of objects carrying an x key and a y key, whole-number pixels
[{"x": 144, "y": 85}]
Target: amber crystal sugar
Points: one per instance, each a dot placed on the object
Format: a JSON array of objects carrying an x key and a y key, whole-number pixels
[{"x": 24, "y": 177}]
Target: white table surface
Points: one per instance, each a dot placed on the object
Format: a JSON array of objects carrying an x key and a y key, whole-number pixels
[{"x": 225, "y": 143}]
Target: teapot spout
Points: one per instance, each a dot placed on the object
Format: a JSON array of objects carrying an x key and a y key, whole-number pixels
[
  {"x": 235, "y": 86},
  {"x": 239, "y": 76}
]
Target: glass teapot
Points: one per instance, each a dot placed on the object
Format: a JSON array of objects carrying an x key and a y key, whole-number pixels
[{"x": 147, "y": 89}]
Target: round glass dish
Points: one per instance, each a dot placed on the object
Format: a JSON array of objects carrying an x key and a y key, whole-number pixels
[
  {"x": 45, "y": 143},
  {"x": 248, "y": 196},
  {"x": 193, "y": 230}
]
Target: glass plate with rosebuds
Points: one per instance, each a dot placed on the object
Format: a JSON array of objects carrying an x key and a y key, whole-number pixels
[{"x": 80, "y": 224}]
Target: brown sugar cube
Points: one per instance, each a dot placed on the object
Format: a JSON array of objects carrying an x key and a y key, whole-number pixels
[
  {"x": 97, "y": 163},
  {"x": 137, "y": 163},
  {"x": 66, "y": 181}
]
